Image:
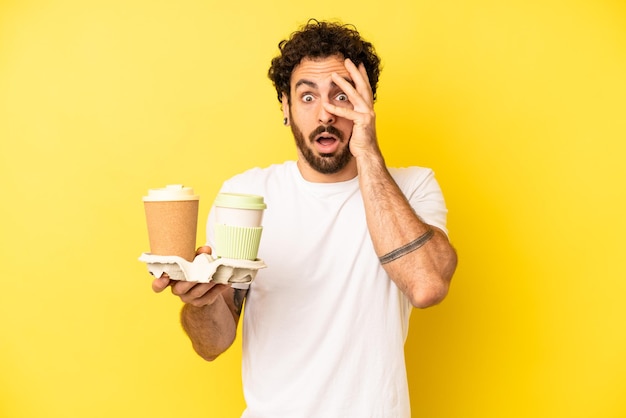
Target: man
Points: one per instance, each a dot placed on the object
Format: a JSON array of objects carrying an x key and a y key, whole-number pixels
[{"x": 351, "y": 246}]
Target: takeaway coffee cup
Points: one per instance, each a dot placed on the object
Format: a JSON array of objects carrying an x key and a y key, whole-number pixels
[
  {"x": 172, "y": 219},
  {"x": 238, "y": 225}
]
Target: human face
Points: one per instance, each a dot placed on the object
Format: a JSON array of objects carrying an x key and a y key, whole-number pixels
[{"x": 322, "y": 138}]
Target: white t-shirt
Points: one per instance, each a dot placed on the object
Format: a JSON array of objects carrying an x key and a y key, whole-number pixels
[{"x": 324, "y": 327}]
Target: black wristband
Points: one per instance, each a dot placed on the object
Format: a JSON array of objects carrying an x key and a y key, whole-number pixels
[{"x": 405, "y": 249}]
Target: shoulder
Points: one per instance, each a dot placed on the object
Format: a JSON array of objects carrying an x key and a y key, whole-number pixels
[
  {"x": 411, "y": 179},
  {"x": 424, "y": 194},
  {"x": 412, "y": 171},
  {"x": 257, "y": 177}
]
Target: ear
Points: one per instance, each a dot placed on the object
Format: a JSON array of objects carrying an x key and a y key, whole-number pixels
[{"x": 285, "y": 107}]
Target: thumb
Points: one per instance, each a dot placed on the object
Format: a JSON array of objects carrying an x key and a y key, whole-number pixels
[{"x": 205, "y": 249}]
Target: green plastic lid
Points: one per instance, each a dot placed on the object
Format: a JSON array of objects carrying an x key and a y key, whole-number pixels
[{"x": 240, "y": 201}]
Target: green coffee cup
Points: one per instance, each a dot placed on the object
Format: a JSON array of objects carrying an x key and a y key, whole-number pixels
[{"x": 238, "y": 226}]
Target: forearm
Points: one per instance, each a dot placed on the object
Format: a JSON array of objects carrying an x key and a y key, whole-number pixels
[
  {"x": 423, "y": 274},
  {"x": 211, "y": 328}
]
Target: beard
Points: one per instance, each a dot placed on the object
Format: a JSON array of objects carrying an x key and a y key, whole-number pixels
[{"x": 326, "y": 163}]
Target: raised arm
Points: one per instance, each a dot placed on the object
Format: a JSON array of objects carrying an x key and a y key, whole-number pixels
[
  {"x": 423, "y": 273},
  {"x": 419, "y": 261}
]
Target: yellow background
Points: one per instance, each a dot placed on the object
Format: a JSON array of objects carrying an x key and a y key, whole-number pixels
[{"x": 519, "y": 106}]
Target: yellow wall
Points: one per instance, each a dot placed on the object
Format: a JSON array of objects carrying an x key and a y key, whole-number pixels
[{"x": 519, "y": 106}]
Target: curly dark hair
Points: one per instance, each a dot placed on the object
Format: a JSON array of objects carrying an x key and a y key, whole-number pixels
[{"x": 321, "y": 40}]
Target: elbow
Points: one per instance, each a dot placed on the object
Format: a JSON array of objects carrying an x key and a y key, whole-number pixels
[
  {"x": 209, "y": 350},
  {"x": 434, "y": 290},
  {"x": 428, "y": 296},
  {"x": 206, "y": 354},
  {"x": 207, "y": 357}
]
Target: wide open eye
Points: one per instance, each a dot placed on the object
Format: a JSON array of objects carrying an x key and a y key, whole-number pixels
[
  {"x": 307, "y": 98},
  {"x": 342, "y": 97}
]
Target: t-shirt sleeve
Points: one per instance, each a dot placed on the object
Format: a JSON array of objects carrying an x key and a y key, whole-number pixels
[{"x": 424, "y": 194}]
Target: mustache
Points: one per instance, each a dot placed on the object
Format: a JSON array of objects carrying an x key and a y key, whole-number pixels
[{"x": 325, "y": 129}]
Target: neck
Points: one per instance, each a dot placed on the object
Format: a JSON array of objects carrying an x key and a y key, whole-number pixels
[{"x": 309, "y": 174}]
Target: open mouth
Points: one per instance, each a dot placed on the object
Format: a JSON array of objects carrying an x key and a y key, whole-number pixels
[
  {"x": 326, "y": 143},
  {"x": 326, "y": 140}
]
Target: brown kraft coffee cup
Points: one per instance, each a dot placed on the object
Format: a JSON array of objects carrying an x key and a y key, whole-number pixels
[{"x": 172, "y": 220}]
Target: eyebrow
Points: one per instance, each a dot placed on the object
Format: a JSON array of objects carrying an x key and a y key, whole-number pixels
[
  {"x": 307, "y": 83},
  {"x": 315, "y": 86}
]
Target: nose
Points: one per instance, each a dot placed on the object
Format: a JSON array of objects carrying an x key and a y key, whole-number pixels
[{"x": 325, "y": 118}]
